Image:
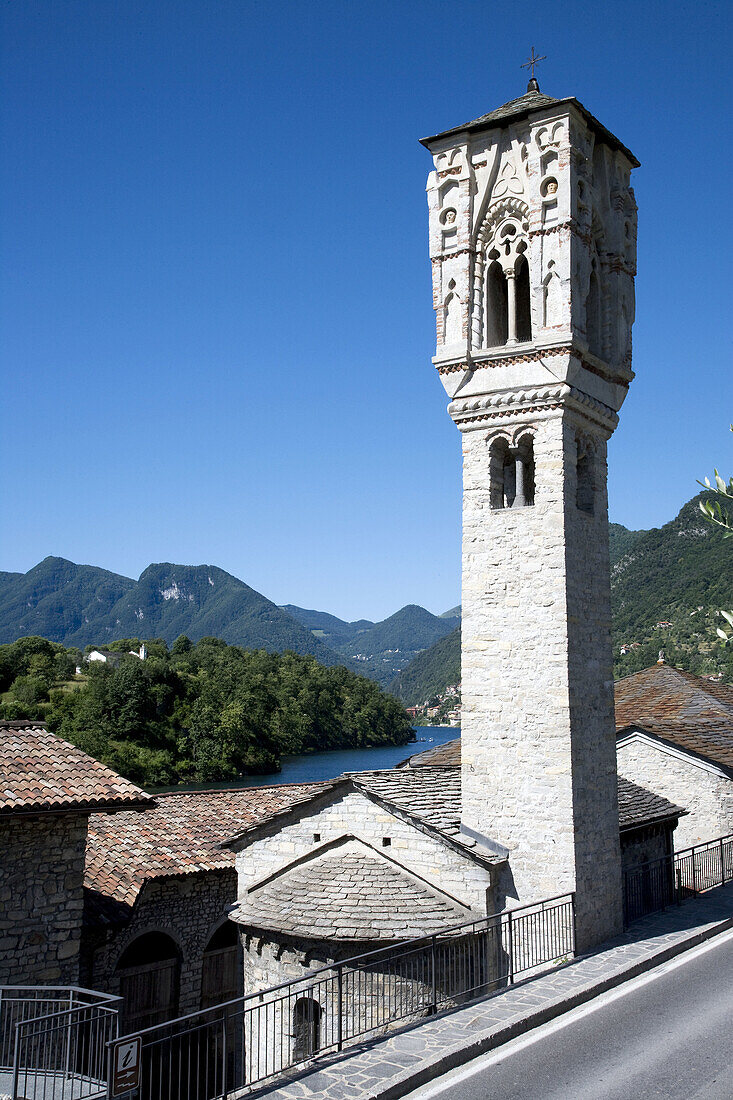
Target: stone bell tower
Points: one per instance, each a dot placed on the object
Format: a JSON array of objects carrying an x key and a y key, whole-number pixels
[{"x": 533, "y": 249}]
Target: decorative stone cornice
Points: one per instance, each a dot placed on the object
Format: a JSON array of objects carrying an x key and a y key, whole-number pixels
[
  {"x": 507, "y": 360},
  {"x": 511, "y": 403}
]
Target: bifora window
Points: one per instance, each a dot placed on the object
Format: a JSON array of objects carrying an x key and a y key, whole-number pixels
[{"x": 512, "y": 473}]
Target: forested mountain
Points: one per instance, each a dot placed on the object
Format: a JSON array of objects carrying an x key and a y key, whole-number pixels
[
  {"x": 59, "y": 600},
  {"x": 430, "y": 672},
  {"x": 681, "y": 574},
  {"x": 334, "y": 631},
  {"x": 379, "y": 649},
  {"x": 80, "y": 605},
  {"x": 199, "y": 712}
]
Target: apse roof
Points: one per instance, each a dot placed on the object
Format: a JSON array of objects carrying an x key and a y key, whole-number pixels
[
  {"x": 532, "y": 100},
  {"x": 41, "y": 772},
  {"x": 349, "y": 893}
]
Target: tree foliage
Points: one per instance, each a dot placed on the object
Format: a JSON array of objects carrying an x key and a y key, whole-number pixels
[{"x": 197, "y": 712}]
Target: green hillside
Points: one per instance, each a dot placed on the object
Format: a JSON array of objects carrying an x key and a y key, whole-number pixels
[
  {"x": 333, "y": 631},
  {"x": 431, "y": 671},
  {"x": 680, "y": 573}
]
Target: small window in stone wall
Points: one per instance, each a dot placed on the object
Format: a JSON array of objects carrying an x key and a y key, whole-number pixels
[
  {"x": 585, "y": 485},
  {"x": 512, "y": 473},
  {"x": 316, "y": 837},
  {"x": 386, "y": 841}
]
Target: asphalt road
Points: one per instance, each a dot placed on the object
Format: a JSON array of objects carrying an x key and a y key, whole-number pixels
[{"x": 666, "y": 1035}]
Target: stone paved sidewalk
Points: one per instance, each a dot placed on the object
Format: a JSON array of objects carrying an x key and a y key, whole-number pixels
[{"x": 388, "y": 1067}]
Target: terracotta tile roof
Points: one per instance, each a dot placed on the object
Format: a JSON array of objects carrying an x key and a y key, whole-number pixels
[
  {"x": 638, "y": 807},
  {"x": 180, "y": 835},
  {"x": 349, "y": 893},
  {"x": 665, "y": 693},
  {"x": 39, "y": 771}
]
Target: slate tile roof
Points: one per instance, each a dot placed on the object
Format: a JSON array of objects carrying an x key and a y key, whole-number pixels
[
  {"x": 533, "y": 100},
  {"x": 688, "y": 711},
  {"x": 433, "y": 794},
  {"x": 349, "y": 895},
  {"x": 39, "y": 772},
  {"x": 448, "y": 755},
  {"x": 638, "y": 807},
  {"x": 664, "y": 692},
  {"x": 179, "y": 835}
]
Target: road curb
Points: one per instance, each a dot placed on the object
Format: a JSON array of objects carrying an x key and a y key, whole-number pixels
[{"x": 458, "y": 1056}]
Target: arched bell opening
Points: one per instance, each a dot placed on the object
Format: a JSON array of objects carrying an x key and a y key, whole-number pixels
[
  {"x": 585, "y": 482},
  {"x": 593, "y": 327},
  {"x": 497, "y": 303},
  {"x": 524, "y": 312},
  {"x": 511, "y": 473}
]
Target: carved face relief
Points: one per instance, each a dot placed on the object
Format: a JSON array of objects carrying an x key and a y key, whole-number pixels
[{"x": 448, "y": 217}]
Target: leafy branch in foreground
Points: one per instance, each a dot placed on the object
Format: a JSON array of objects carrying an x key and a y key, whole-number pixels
[{"x": 715, "y": 513}]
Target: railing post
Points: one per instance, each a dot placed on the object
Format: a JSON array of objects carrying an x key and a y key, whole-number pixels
[
  {"x": 722, "y": 863},
  {"x": 434, "y": 974},
  {"x": 16, "y": 1062},
  {"x": 575, "y": 923},
  {"x": 339, "y": 1007},
  {"x": 225, "y": 1058},
  {"x": 511, "y": 947},
  {"x": 694, "y": 874}
]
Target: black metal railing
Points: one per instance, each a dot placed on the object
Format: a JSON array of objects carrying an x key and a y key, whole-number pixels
[
  {"x": 53, "y": 1041},
  {"x": 651, "y": 886},
  {"x": 209, "y": 1054}
]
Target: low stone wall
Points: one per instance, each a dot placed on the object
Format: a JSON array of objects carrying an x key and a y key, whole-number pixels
[{"x": 41, "y": 897}]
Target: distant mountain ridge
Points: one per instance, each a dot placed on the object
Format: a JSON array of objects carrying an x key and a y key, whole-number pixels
[
  {"x": 680, "y": 573},
  {"x": 80, "y": 605}
]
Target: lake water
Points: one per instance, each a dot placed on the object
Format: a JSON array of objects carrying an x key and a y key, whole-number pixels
[{"x": 327, "y": 765}]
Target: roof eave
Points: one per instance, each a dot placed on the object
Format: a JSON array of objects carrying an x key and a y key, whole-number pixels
[
  {"x": 524, "y": 112},
  {"x": 51, "y": 808}
]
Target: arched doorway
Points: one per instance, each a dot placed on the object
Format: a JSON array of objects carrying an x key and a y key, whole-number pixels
[
  {"x": 306, "y": 1028},
  {"x": 221, "y": 970},
  {"x": 149, "y": 972}
]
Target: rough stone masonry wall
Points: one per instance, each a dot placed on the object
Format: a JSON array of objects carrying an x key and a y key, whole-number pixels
[
  {"x": 538, "y": 742},
  {"x": 707, "y": 795},
  {"x": 355, "y": 814},
  {"x": 41, "y": 897},
  {"x": 189, "y": 909}
]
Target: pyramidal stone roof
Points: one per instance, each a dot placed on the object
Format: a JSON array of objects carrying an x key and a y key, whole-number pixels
[
  {"x": 41, "y": 772},
  {"x": 524, "y": 105},
  {"x": 349, "y": 894}
]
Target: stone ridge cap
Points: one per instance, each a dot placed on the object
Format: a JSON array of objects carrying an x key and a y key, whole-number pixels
[
  {"x": 24, "y": 724},
  {"x": 231, "y": 790},
  {"x": 523, "y": 106}
]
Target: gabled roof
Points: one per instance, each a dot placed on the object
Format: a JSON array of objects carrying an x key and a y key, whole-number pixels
[
  {"x": 664, "y": 693},
  {"x": 532, "y": 100},
  {"x": 708, "y": 739},
  {"x": 41, "y": 772},
  {"x": 180, "y": 835},
  {"x": 348, "y": 892},
  {"x": 447, "y": 755}
]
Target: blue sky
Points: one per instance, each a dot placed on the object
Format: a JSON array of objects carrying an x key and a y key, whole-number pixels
[{"x": 216, "y": 311}]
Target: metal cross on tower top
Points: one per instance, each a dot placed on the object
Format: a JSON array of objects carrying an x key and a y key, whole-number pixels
[{"x": 531, "y": 61}]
